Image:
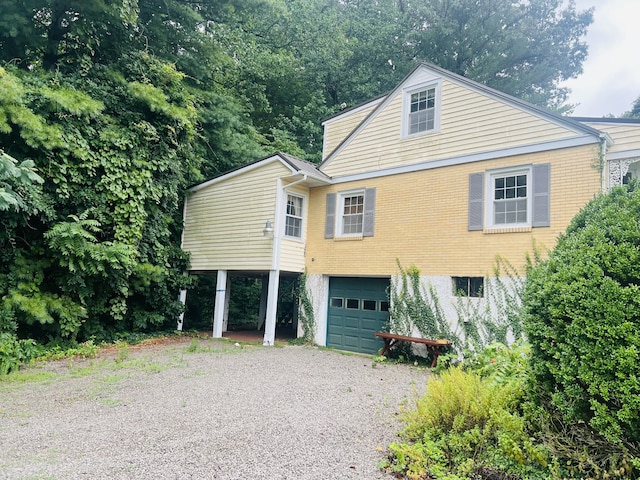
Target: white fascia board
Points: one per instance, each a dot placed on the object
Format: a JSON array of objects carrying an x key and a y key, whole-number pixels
[
  {"x": 623, "y": 155},
  {"x": 476, "y": 157},
  {"x": 241, "y": 171}
]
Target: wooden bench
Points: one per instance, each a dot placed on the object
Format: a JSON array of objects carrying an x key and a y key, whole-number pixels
[{"x": 435, "y": 347}]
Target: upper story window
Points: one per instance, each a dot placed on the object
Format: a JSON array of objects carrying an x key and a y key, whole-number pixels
[
  {"x": 350, "y": 213},
  {"x": 293, "y": 218},
  {"x": 421, "y": 109},
  {"x": 510, "y": 198},
  {"x": 422, "y": 114}
]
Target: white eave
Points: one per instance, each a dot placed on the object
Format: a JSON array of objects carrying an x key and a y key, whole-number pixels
[{"x": 296, "y": 166}]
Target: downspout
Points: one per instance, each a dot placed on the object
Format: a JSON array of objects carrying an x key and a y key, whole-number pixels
[{"x": 603, "y": 164}]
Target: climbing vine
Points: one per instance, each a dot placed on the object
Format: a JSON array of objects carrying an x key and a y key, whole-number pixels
[{"x": 306, "y": 315}]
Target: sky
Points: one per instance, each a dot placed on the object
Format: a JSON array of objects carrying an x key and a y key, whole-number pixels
[{"x": 610, "y": 81}]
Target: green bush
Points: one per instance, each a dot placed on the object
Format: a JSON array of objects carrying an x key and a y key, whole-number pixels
[
  {"x": 583, "y": 319},
  {"x": 468, "y": 426},
  {"x": 14, "y": 352}
]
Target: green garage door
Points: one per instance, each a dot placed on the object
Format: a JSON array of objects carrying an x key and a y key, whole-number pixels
[{"x": 358, "y": 307}]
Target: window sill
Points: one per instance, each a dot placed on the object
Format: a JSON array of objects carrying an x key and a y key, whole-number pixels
[
  {"x": 507, "y": 230},
  {"x": 293, "y": 239},
  {"x": 348, "y": 238}
]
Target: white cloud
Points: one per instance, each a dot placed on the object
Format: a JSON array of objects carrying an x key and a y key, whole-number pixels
[{"x": 610, "y": 81}]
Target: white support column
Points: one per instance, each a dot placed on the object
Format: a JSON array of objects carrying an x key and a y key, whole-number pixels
[
  {"x": 272, "y": 308},
  {"x": 221, "y": 300},
  {"x": 227, "y": 298},
  {"x": 183, "y": 300},
  {"x": 262, "y": 312}
]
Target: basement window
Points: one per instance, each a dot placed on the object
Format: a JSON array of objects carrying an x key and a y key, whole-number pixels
[{"x": 468, "y": 287}]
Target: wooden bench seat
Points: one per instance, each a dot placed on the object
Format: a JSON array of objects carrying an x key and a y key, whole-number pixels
[{"x": 435, "y": 347}]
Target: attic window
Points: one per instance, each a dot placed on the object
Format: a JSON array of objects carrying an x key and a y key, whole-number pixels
[
  {"x": 422, "y": 116},
  {"x": 421, "y": 109}
]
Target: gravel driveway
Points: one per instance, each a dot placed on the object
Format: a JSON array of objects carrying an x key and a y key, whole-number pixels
[{"x": 204, "y": 409}]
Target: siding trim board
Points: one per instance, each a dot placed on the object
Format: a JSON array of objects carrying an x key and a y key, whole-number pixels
[
  {"x": 478, "y": 157},
  {"x": 623, "y": 155}
]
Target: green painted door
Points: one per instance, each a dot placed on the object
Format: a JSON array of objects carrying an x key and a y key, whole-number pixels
[{"x": 358, "y": 308}]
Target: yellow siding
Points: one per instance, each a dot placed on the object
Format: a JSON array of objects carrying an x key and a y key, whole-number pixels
[
  {"x": 626, "y": 136},
  {"x": 337, "y": 129},
  {"x": 471, "y": 123},
  {"x": 421, "y": 219},
  {"x": 224, "y": 222},
  {"x": 292, "y": 250}
]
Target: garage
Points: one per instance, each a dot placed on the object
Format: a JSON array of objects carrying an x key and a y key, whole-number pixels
[{"x": 358, "y": 307}]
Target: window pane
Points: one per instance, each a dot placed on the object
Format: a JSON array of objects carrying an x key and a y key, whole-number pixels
[
  {"x": 510, "y": 199},
  {"x": 353, "y": 303},
  {"x": 384, "y": 306},
  {"x": 352, "y": 214},
  {"x": 468, "y": 286},
  {"x": 476, "y": 286},
  {"x": 422, "y": 111},
  {"x": 461, "y": 286},
  {"x": 336, "y": 302},
  {"x": 369, "y": 304},
  {"x": 293, "y": 219}
]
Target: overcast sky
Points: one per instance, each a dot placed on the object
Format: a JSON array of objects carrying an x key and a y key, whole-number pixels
[{"x": 610, "y": 81}]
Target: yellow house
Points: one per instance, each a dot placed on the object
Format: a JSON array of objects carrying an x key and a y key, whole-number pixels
[{"x": 442, "y": 173}]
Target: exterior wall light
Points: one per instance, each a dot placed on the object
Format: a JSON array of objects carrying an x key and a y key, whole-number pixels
[{"x": 268, "y": 229}]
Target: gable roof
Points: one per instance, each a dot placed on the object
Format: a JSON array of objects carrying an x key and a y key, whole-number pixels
[
  {"x": 543, "y": 113},
  {"x": 295, "y": 165}
]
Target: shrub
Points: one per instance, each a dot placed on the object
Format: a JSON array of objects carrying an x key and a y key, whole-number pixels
[
  {"x": 583, "y": 319},
  {"x": 14, "y": 352},
  {"x": 467, "y": 426}
]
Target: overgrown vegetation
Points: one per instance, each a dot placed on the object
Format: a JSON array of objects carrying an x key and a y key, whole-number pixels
[
  {"x": 469, "y": 424},
  {"x": 306, "y": 315},
  {"x": 495, "y": 318},
  {"x": 564, "y": 403}
]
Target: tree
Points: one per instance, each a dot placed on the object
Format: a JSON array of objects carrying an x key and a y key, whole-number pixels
[
  {"x": 525, "y": 49},
  {"x": 635, "y": 110}
]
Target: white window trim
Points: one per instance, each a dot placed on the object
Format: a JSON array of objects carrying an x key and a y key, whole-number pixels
[
  {"x": 489, "y": 193},
  {"x": 340, "y": 213},
  {"x": 302, "y": 217},
  {"x": 406, "y": 107}
]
